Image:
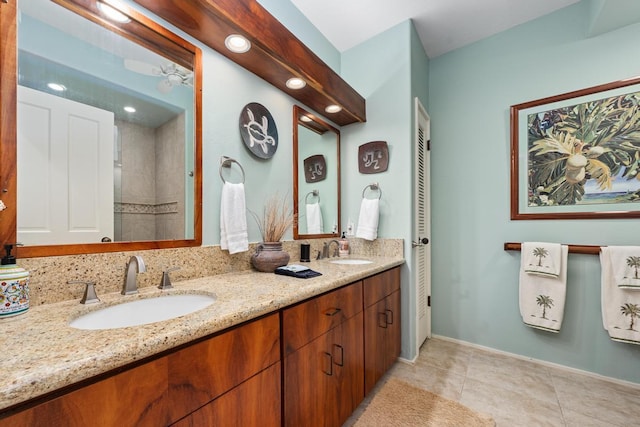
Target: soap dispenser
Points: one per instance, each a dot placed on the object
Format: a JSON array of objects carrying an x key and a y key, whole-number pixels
[
  {"x": 14, "y": 285},
  {"x": 343, "y": 245}
]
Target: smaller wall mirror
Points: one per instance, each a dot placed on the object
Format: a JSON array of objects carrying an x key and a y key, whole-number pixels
[{"x": 316, "y": 176}]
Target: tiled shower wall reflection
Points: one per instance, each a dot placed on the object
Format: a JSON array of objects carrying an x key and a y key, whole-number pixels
[{"x": 150, "y": 181}]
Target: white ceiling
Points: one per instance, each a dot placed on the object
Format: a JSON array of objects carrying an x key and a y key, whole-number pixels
[{"x": 443, "y": 25}]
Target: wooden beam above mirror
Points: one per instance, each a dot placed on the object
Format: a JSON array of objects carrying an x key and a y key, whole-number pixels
[{"x": 275, "y": 55}]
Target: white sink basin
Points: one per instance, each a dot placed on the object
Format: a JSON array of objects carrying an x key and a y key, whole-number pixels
[
  {"x": 143, "y": 311},
  {"x": 351, "y": 261}
]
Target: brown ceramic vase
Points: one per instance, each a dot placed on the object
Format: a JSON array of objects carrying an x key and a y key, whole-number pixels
[{"x": 269, "y": 256}]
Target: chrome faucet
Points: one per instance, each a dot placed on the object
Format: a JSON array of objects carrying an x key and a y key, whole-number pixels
[{"x": 130, "y": 286}]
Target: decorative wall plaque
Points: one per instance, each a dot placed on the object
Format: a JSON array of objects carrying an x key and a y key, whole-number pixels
[
  {"x": 373, "y": 157},
  {"x": 315, "y": 168},
  {"x": 258, "y": 130}
]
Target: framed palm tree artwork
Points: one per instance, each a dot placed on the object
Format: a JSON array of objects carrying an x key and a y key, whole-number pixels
[{"x": 577, "y": 155}]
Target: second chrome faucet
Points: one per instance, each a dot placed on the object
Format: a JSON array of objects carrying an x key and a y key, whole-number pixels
[{"x": 134, "y": 266}]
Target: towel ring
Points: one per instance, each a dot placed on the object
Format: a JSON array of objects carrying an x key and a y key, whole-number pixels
[
  {"x": 315, "y": 193},
  {"x": 373, "y": 186},
  {"x": 225, "y": 162}
]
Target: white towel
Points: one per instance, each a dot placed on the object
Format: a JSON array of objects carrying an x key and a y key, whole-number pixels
[
  {"x": 233, "y": 219},
  {"x": 542, "y": 297},
  {"x": 314, "y": 219},
  {"x": 368, "y": 219},
  {"x": 543, "y": 259},
  {"x": 620, "y": 307},
  {"x": 625, "y": 266}
]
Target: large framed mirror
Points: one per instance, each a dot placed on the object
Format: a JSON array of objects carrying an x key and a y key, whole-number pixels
[
  {"x": 108, "y": 131},
  {"x": 316, "y": 176}
]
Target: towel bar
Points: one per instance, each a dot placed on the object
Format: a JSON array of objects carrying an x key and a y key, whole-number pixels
[
  {"x": 225, "y": 162},
  {"x": 314, "y": 193},
  {"x": 373, "y": 186},
  {"x": 574, "y": 249}
]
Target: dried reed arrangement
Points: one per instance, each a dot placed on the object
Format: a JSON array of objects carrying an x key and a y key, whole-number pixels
[{"x": 277, "y": 218}]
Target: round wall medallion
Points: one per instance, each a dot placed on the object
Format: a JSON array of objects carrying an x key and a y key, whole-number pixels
[{"x": 258, "y": 130}]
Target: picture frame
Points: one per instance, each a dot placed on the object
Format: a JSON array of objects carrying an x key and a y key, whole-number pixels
[{"x": 577, "y": 155}]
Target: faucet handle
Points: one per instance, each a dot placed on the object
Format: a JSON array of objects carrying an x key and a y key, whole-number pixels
[
  {"x": 90, "y": 296},
  {"x": 165, "y": 283}
]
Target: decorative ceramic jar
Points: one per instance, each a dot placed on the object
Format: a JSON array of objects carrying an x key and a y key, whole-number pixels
[
  {"x": 14, "y": 286},
  {"x": 269, "y": 256}
]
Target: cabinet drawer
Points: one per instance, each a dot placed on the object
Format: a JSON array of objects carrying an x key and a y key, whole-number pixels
[
  {"x": 254, "y": 403},
  {"x": 307, "y": 321},
  {"x": 204, "y": 371},
  {"x": 381, "y": 285},
  {"x": 137, "y": 397}
]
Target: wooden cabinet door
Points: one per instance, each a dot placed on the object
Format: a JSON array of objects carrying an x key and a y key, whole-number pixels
[
  {"x": 254, "y": 403},
  {"x": 350, "y": 376},
  {"x": 380, "y": 286},
  {"x": 381, "y": 338},
  {"x": 375, "y": 331},
  {"x": 323, "y": 380},
  {"x": 136, "y": 397},
  {"x": 394, "y": 333},
  {"x": 306, "y": 321},
  {"x": 202, "y": 372}
]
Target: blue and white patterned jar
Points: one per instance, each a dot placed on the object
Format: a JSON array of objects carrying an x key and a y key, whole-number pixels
[{"x": 14, "y": 290}]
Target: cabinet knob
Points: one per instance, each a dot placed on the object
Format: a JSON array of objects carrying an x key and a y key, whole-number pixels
[
  {"x": 341, "y": 349},
  {"x": 329, "y": 372},
  {"x": 389, "y": 314},
  {"x": 332, "y": 311},
  {"x": 382, "y": 320}
]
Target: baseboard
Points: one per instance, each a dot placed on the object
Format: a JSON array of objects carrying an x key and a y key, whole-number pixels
[{"x": 541, "y": 362}]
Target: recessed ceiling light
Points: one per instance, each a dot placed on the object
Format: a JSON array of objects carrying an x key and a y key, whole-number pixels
[
  {"x": 296, "y": 83},
  {"x": 56, "y": 86},
  {"x": 112, "y": 13},
  {"x": 305, "y": 119},
  {"x": 129, "y": 109},
  {"x": 333, "y": 108},
  {"x": 237, "y": 43}
]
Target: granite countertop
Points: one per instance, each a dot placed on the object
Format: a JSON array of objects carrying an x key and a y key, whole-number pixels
[{"x": 42, "y": 353}]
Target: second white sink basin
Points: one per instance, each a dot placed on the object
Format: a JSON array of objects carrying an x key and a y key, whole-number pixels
[
  {"x": 349, "y": 261},
  {"x": 143, "y": 311}
]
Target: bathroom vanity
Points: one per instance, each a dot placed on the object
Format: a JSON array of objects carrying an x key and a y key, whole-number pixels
[{"x": 268, "y": 343}]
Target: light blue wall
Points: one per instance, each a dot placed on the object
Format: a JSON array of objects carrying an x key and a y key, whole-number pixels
[
  {"x": 285, "y": 12},
  {"x": 475, "y": 282},
  {"x": 380, "y": 70}
]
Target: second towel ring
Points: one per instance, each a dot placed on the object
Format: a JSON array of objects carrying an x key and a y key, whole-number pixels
[
  {"x": 314, "y": 193},
  {"x": 225, "y": 162},
  {"x": 373, "y": 186}
]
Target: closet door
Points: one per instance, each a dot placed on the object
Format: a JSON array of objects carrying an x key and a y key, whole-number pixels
[{"x": 422, "y": 223}]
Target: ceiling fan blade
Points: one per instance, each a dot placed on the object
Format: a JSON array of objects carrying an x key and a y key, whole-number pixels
[{"x": 141, "y": 67}]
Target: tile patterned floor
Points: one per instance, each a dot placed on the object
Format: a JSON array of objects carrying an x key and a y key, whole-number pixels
[{"x": 516, "y": 392}]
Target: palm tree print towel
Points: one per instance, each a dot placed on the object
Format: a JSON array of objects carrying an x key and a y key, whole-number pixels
[
  {"x": 542, "y": 296},
  {"x": 543, "y": 259},
  {"x": 625, "y": 266},
  {"x": 620, "y": 305}
]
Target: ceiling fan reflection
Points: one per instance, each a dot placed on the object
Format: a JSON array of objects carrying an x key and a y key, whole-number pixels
[{"x": 173, "y": 74}]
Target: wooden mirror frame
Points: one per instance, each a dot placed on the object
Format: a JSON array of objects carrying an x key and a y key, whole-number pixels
[
  {"x": 319, "y": 126},
  {"x": 140, "y": 30}
]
